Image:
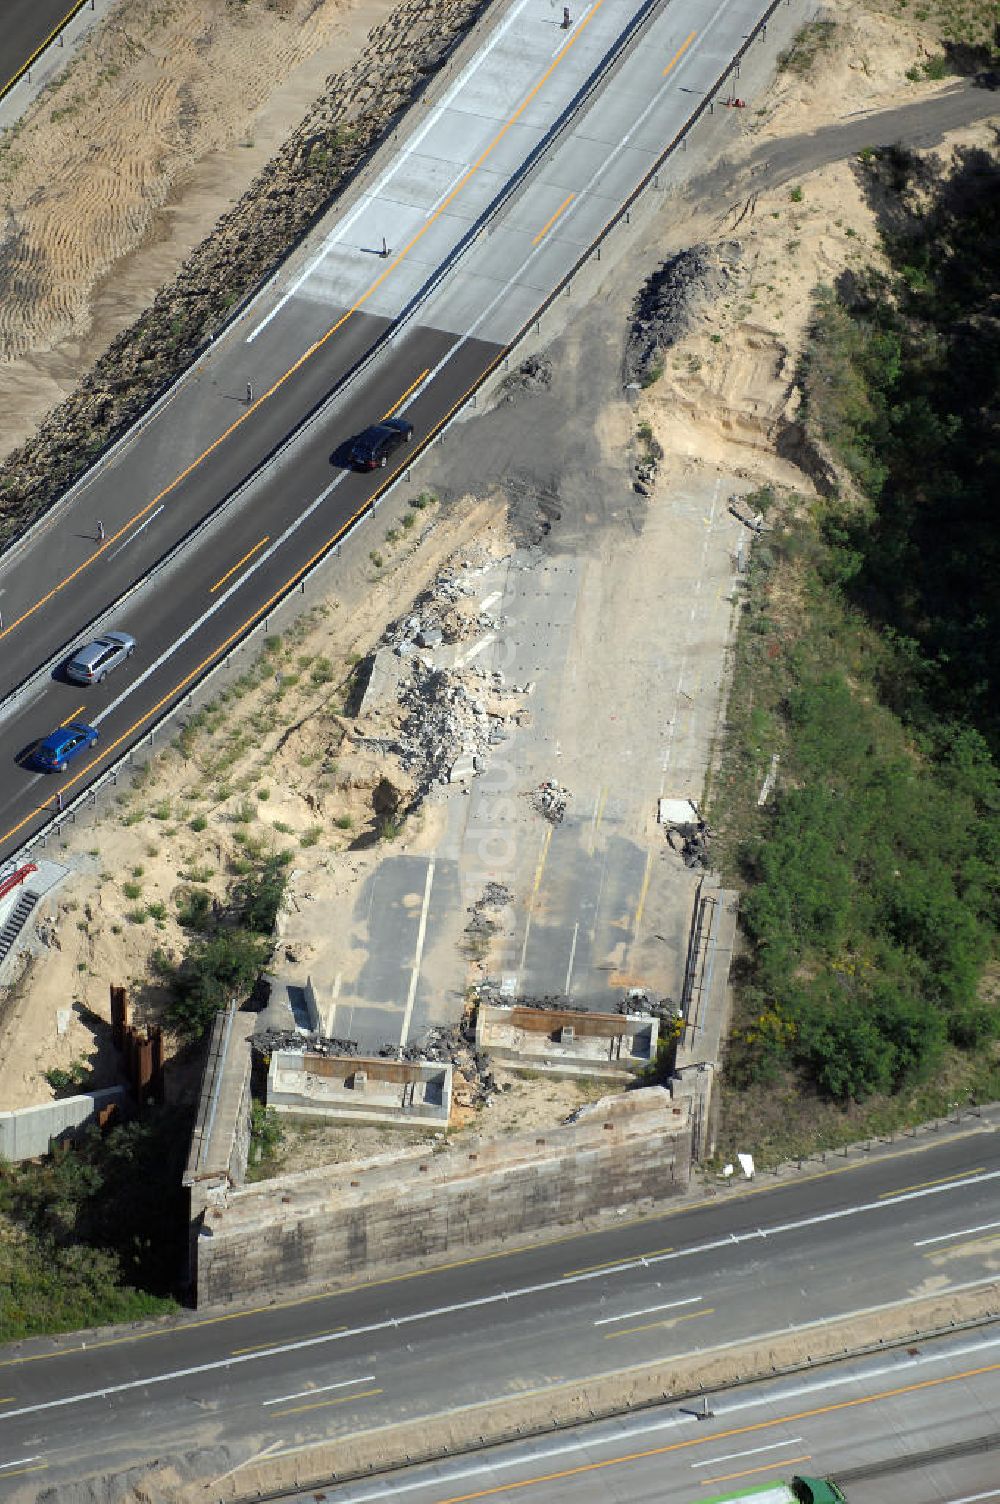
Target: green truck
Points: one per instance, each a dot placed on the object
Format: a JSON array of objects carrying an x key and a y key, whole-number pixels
[{"x": 799, "y": 1491}]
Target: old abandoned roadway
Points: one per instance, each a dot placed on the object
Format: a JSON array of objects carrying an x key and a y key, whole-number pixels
[
  {"x": 489, "y": 199},
  {"x": 851, "y": 1236}
]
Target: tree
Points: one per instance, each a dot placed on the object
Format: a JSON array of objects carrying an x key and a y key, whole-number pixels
[{"x": 216, "y": 971}]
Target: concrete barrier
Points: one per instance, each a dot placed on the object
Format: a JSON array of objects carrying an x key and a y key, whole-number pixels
[
  {"x": 29, "y": 1132},
  {"x": 352, "y": 1088},
  {"x": 403, "y": 1210},
  {"x": 561, "y": 1042}
]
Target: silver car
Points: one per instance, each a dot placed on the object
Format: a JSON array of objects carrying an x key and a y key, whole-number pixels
[{"x": 93, "y": 663}]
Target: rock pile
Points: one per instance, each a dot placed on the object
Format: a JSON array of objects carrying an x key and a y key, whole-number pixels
[
  {"x": 669, "y": 303},
  {"x": 267, "y": 1041},
  {"x": 551, "y": 800},
  {"x": 532, "y": 375},
  {"x": 446, "y": 730},
  {"x": 473, "y": 1081}
]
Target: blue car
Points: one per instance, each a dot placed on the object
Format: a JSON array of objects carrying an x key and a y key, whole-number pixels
[{"x": 52, "y": 754}]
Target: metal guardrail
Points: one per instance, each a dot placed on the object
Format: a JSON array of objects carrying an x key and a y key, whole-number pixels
[{"x": 298, "y": 581}]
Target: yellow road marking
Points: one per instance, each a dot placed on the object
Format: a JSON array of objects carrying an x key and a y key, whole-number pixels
[
  {"x": 318, "y": 344},
  {"x": 57, "y": 28},
  {"x": 495, "y": 1256},
  {"x": 651, "y": 1326},
  {"x": 15, "y": 1472},
  {"x": 642, "y": 895},
  {"x": 546, "y": 227},
  {"x": 924, "y": 1185},
  {"x": 700, "y": 1441},
  {"x": 766, "y": 1467},
  {"x": 679, "y": 53},
  {"x": 345, "y": 1399},
  {"x": 72, "y": 715},
  {"x": 411, "y": 388},
  {"x": 546, "y": 841},
  {"x": 614, "y": 1263},
  {"x": 967, "y": 1243},
  {"x": 240, "y": 563},
  {"x": 278, "y": 1342}
]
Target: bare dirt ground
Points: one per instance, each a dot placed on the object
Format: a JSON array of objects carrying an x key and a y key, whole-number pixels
[
  {"x": 716, "y": 411},
  {"x": 523, "y": 1103}
]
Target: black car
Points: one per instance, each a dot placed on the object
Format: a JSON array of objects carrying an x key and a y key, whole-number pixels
[{"x": 373, "y": 447}]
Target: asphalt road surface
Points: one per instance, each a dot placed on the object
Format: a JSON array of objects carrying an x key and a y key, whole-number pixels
[
  {"x": 752, "y": 1265},
  {"x": 25, "y": 25}
]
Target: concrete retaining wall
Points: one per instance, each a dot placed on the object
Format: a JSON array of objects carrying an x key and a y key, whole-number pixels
[
  {"x": 28, "y": 1132},
  {"x": 399, "y": 1211}
]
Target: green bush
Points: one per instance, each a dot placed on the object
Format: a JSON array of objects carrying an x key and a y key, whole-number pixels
[
  {"x": 259, "y": 897},
  {"x": 217, "y": 970},
  {"x": 194, "y": 910},
  {"x": 266, "y": 1135},
  {"x": 867, "y": 653},
  {"x": 96, "y": 1233}
]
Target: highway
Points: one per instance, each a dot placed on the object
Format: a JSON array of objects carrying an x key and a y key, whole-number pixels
[
  {"x": 530, "y": 149},
  {"x": 908, "y": 1427},
  {"x": 757, "y": 1264}
]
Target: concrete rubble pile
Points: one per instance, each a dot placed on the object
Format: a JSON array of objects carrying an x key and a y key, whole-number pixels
[
  {"x": 268, "y": 1041},
  {"x": 692, "y": 843},
  {"x": 490, "y": 992},
  {"x": 443, "y": 723},
  {"x": 473, "y": 1081},
  {"x": 551, "y": 800},
  {"x": 532, "y": 375}
]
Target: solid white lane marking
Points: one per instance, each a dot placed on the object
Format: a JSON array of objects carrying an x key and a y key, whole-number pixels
[
  {"x": 236, "y": 585},
  {"x": 20, "y": 1461},
  {"x": 962, "y": 1232},
  {"x": 572, "y": 958},
  {"x": 116, "y": 551},
  {"x": 418, "y": 953},
  {"x": 772, "y": 1446},
  {"x": 304, "y": 1394},
  {"x": 504, "y": 1297},
  {"x": 405, "y": 152},
  {"x": 671, "y": 1305}
]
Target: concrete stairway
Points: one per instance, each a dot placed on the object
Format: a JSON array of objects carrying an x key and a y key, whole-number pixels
[{"x": 16, "y": 921}]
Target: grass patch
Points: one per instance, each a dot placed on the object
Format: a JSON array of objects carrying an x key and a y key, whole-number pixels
[{"x": 813, "y": 39}]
